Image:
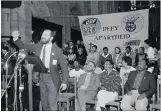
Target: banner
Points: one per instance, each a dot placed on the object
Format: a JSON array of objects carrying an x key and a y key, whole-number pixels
[{"x": 116, "y": 29}]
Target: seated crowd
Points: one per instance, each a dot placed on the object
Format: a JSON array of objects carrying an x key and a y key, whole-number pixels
[{"x": 101, "y": 76}]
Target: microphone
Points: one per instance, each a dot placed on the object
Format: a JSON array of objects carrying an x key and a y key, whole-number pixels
[{"x": 21, "y": 56}]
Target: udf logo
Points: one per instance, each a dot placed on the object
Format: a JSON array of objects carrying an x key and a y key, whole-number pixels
[
  {"x": 90, "y": 26},
  {"x": 132, "y": 22}
]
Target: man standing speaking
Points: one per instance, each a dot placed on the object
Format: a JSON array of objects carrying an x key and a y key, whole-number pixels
[{"x": 52, "y": 56}]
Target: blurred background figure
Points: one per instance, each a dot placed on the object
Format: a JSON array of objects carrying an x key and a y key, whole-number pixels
[
  {"x": 117, "y": 58},
  {"x": 103, "y": 57},
  {"x": 81, "y": 57},
  {"x": 140, "y": 55},
  {"x": 129, "y": 53}
]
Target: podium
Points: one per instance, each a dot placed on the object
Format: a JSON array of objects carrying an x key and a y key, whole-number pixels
[{"x": 39, "y": 67}]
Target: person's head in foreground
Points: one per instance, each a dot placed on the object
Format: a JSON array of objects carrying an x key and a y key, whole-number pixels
[
  {"x": 76, "y": 64},
  {"x": 142, "y": 65},
  {"x": 91, "y": 66},
  {"x": 126, "y": 61},
  {"x": 108, "y": 65}
]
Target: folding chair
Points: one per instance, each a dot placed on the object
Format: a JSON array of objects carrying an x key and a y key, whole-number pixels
[
  {"x": 67, "y": 98},
  {"x": 115, "y": 103},
  {"x": 156, "y": 105}
]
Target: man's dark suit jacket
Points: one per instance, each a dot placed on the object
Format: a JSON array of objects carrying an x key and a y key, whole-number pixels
[
  {"x": 147, "y": 86},
  {"x": 56, "y": 54}
]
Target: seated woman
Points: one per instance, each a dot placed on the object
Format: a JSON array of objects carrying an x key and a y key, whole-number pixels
[
  {"x": 71, "y": 57},
  {"x": 110, "y": 86},
  {"x": 81, "y": 57},
  {"x": 87, "y": 85}
]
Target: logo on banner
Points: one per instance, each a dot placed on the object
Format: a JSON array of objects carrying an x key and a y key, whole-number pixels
[
  {"x": 132, "y": 22},
  {"x": 90, "y": 26}
]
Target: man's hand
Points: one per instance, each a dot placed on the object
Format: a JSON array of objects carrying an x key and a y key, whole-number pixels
[
  {"x": 141, "y": 96},
  {"x": 15, "y": 34},
  {"x": 129, "y": 93},
  {"x": 63, "y": 87}
]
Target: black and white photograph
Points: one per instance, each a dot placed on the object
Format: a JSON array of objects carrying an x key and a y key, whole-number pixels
[{"x": 71, "y": 55}]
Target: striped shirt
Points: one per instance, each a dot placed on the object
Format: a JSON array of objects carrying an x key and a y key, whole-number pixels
[{"x": 111, "y": 82}]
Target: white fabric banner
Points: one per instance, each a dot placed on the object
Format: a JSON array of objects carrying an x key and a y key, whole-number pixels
[{"x": 116, "y": 29}]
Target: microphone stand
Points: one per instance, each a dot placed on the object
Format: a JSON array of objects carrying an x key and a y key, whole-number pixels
[
  {"x": 21, "y": 88},
  {"x": 6, "y": 95},
  {"x": 15, "y": 94},
  {"x": 15, "y": 81},
  {"x": 6, "y": 85}
]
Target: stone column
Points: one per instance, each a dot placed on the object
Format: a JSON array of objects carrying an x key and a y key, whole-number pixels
[
  {"x": 19, "y": 19},
  {"x": 66, "y": 32},
  {"x": 87, "y": 7},
  {"x": 25, "y": 21},
  {"x": 6, "y": 21},
  {"x": 94, "y": 7}
]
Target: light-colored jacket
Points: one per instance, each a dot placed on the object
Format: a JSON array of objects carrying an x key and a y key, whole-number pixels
[{"x": 93, "y": 84}]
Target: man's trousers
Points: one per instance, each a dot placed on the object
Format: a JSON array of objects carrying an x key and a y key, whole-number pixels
[
  {"x": 48, "y": 93},
  {"x": 130, "y": 100},
  {"x": 104, "y": 97},
  {"x": 85, "y": 96}
]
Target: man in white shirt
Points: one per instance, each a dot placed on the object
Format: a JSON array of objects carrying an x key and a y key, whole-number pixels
[
  {"x": 77, "y": 71},
  {"x": 51, "y": 56}
]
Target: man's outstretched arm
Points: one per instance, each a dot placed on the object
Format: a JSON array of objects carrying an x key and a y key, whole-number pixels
[{"x": 20, "y": 44}]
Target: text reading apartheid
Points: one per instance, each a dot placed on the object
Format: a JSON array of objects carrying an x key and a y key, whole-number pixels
[{"x": 112, "y": 37}]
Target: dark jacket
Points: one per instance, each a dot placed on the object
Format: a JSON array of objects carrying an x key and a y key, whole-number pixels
[
  {"x": 81, "y": 59},
  {"x": 56, "y": 54},
  {"x": 147, "y": 86}
]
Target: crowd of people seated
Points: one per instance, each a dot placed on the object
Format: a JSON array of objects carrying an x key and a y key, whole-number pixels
[{"x": 100, "y": 75}]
